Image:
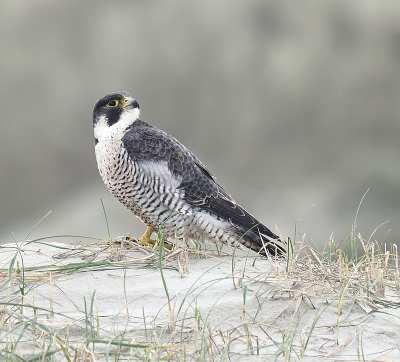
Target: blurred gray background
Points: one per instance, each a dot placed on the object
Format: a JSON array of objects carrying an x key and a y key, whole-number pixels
[{"x": 293, "y": 105}]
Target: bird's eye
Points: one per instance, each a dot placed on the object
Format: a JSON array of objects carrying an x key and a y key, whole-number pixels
[{"x": 112, "y": 103}]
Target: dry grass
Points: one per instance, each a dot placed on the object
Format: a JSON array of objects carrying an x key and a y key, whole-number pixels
[{"x": 285, "y": 306}]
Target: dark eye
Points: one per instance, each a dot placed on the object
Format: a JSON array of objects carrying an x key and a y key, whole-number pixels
[{"x": 112, "y": 103}]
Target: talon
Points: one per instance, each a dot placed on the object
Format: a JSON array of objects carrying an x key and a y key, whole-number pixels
[
  {"x": 148, "y": 242},
  {"x": 167, "y": 246},
  {"x": 145, "y": 239}
]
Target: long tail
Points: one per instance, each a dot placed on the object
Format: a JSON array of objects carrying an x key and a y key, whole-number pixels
[
  {"x": 262, "y": 240},
  {"x": 251, "y": 232}
]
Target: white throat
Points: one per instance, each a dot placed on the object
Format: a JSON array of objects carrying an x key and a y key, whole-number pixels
[{"x": 102, "y": 131}]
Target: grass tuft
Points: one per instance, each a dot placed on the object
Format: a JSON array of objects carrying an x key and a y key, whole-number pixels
[{"x": 313, "y": 304}]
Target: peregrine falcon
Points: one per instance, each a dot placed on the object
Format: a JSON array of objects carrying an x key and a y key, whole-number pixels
[{"x": 166, "y": 185}]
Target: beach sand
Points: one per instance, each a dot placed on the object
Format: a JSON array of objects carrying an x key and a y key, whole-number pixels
[{"x": 114, "y": 298}]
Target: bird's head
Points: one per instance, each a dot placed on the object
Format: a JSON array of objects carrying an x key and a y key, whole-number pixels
[{"x": 114, "y": 111}]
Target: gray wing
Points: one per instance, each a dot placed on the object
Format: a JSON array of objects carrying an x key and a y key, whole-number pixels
[{"x": 145, "y": 143}]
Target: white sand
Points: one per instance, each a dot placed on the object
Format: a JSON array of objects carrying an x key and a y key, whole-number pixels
[{"x": 126, "y": 291}]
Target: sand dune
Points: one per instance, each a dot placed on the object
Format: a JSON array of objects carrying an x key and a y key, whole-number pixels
[{"x": 88, "y": 301}]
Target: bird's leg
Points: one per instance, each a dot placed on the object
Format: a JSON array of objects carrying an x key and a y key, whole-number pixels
[{"x": 145, "y": 239}]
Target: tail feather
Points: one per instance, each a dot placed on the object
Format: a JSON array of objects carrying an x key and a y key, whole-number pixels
[
  {"x": 253, "y": 234},
  {"x": 255, "y": 240}
]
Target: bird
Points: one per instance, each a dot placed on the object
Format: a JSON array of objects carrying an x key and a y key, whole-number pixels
[{"x": 166, "y": 186}]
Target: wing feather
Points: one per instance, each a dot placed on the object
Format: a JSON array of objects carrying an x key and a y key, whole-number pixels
[{"x": 146, "y": 143}]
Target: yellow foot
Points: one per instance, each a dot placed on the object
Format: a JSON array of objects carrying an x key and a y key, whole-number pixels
[{"x": 145, "y": 239}]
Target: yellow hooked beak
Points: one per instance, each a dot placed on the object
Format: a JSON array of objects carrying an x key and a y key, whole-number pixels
[{"x": 129, "y": 103}]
